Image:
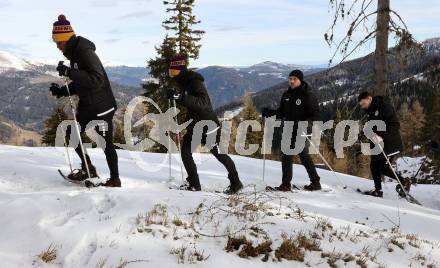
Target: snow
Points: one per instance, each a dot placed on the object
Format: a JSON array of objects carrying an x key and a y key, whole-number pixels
[
  {"x": 91, "y": 227},
  {"x": 9, "y": 61}
]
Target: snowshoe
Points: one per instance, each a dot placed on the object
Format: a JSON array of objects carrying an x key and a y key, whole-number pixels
[
  {"x": 375, "y": 193},
  {"x": 406, "y": 187},
  {"x": 79, "y": 175},
  {"x": 281, "y": 188},
  {"x": 233, "y": 189},
  {"x": 314, "y": 186}
]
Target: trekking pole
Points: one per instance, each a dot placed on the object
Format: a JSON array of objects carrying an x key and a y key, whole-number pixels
[
  {"x": 325, "y": 161},
  {"x": 264, "y": 149},
  {"x": 169, "y": 143},
  {"x": 392, "y": 169},
  {"x": 420, "y": 168},
  {"x": 78, "y": 132},
  {"x": 178, "y": 142},
  {"x": 65, "y": 141}
]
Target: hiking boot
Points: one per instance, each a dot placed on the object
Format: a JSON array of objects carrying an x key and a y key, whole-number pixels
[
  {"x": 92, "y": 169},
  {"x": 233, "y": 188},
  {"x": 406, "y": 186},
  {"x": 188, "y": 187},
  {"x": 375, "y": 193},
  {"x": 314, "y": 186},
  {"x": 281, "y": 188},
  {"x": 112, "y": 182},
  {"x": 78, "y": 175}
]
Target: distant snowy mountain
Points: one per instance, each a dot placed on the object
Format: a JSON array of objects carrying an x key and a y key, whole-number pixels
[
  {"x": 24, "y": 96},
  {"x": 11, "y": 62}
]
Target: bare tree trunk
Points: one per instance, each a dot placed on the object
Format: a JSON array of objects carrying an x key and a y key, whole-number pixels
[{"x": 381, "y": 67}]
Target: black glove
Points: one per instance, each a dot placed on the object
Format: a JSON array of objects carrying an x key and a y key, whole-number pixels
[
  {"x": 62, "y": 69},
  {"x": 173, "y": 94},
  {"x": 57, "y": 90},
  {"x": 266, "y": 112}
]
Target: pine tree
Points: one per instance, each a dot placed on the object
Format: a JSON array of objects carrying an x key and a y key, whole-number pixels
[
  {"x": 432, "y": 127},
  {"x": 184, "y": 41},
  {"x": 181, "y": 23},
  {"x": 249, "y": 112},
  {"x": 412, "y": 123},
  {"x": 51, "y": 125}
]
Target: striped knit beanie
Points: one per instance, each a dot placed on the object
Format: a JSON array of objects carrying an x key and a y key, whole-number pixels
[
  {"x": 62, "y": 30},
  {"x": 178, "y": 63}
]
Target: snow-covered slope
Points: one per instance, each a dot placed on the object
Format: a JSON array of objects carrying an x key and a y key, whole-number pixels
[{"x": 146, "y": 224}]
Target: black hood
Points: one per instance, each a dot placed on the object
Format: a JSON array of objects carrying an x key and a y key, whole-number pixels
[
  {"x": 185, "y": 76},
  {"x": 77, "y": 44}
]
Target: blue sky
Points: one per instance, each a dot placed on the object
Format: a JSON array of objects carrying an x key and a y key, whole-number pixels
[{"x": 239, "y": 32}]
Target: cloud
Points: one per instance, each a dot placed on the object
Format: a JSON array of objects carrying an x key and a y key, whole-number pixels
[
  {"x": 227, "y": 28},
  {"x": 146, "y": 42},
  {"x": 114, "y": 31},
  {"x": 112, "y": 40},
  {"x": 5, "y": 3},
  {"x": 14, "y": 48},
  {"x": 137, "y": 14}
]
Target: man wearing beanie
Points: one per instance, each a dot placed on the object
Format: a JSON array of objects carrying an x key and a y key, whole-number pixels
[
  {"x": 298, "y": 103},
  {"x": 193, "y": 95},
  {"x": 90, "y": 83}
]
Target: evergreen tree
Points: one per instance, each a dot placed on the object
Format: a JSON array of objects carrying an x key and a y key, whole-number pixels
[
  {"x": 51, "y": 125},
  {"x": 432, "y": 127},
  {"x": 181, "y": 23},
  {"x": 249, "y": 112},
  {"x": 412, "y": 123},
  {"x": 184, "y": 40}
]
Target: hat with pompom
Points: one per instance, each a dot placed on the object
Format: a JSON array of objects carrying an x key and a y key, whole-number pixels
[{"x": 62, "y": 30}]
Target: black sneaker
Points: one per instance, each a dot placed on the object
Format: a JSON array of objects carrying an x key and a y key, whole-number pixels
[
  {"x": 375, "y": 193},
  {"x": 314, "y": 186},
  {"x": 233, "y": 188},
  {"x": 188, "y": 187}
]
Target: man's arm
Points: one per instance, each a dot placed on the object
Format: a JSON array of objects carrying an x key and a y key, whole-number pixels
[{"x": 199, "y": 99}]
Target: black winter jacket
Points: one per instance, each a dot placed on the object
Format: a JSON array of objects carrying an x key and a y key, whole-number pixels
[
  {"x": 195, "y": 97},
  {"x": 381, "y": 109},
  {"x": 89, "y": 79},
  {"x": 298, "y": 105}
]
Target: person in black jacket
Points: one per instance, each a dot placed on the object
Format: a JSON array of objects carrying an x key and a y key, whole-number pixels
[
  {"x": 298, "y": 103},
  {"x": 193, "y": 95},
  {"x": 90, "y": 83},
  {"x": 380, "y": 108}
]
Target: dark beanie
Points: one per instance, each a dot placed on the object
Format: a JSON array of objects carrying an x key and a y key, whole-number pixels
[{"x": 298, "y": 74}]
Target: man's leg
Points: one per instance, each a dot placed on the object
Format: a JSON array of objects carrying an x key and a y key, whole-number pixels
[
  {"x": 228, "y": 164},
  {"x": 286, "y": 164},
  {"x": 188, "y": 161},
  {"x": 376, "y": 166},
  {"x": 110, "y": 151},
  {"x": 307, "y": 162}
]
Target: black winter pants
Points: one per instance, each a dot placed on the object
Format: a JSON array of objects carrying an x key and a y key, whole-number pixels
[
  {"x": 306, "y": 161},
  {"x": 190, "y": 166},
  {"x": 380, "y": 167},
  {"x": 109, "y": 151}
]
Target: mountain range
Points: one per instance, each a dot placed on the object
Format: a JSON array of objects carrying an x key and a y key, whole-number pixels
[
  {"x": 25, "y": 100},
  {"x": 344, "y": 81}
]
